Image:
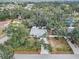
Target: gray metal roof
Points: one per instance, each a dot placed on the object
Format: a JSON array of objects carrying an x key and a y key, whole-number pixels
[{"x": 36, "y": 31}]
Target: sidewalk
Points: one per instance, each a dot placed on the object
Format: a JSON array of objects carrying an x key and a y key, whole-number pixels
[
  {"x": 44, "y": 51},
  {"x": 45, "y": 56},
  {"x": 75, "y": 49}
]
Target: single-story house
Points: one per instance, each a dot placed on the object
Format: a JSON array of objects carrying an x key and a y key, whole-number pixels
[{"x": 38, "y": 32}]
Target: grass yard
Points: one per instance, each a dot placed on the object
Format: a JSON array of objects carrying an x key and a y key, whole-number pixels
[
  {"x": 32, "y": 46},
  {"x": 59, "y": 46}
]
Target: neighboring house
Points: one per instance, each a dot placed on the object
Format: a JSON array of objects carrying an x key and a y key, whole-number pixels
[
  {"x": 70, "y": 22},
  {"x": 37, "y": 32},
  {"x": 10, "y": 6},
  {"x": 70, "y": 29},
  {"x": 7, "y": 7},
  {"x": 29, "y": 6}
]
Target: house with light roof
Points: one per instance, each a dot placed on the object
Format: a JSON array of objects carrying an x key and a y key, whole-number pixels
[{"x": 38, "y": 32}]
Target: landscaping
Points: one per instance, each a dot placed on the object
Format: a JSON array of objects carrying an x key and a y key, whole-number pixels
[
  {"x": 39, "y": 28},
  {"x": 20, "y": 42},
  {"x": 6, "y": 52},
  {"x": 31, "y": 46}
]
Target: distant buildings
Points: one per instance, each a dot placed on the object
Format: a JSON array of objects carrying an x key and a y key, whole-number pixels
[
  {"x": 70, "y": 22},
  {"x": 8, "y": 7},
  {"x": 29, "y": 6}
]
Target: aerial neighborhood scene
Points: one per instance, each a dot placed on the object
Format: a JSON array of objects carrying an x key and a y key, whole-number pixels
[{"x": 38, "y": 27}]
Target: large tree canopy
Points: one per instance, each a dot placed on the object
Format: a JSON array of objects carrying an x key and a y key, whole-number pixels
[{"x": 17, "y": 33}]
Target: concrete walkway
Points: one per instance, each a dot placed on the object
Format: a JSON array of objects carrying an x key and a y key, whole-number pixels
[
  {"x": 74, "y": 48},
  {"x": 44, "y": 51},
  {"x": 45, "y": 56}
]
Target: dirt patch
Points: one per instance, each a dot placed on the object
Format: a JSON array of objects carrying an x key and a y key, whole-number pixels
[{"x": 59, "y": 46}]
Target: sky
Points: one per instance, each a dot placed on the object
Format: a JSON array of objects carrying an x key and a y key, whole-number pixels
[{"x": 36, "y": 0}]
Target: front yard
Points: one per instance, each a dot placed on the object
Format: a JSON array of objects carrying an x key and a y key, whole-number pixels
[
  {"x": 31, "y": 46},
  {"x": 59, "y": 46}
]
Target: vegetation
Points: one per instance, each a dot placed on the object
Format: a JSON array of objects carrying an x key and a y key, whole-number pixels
[
  {"x": 74, "y": 36},
  {"x": 17, "y": 33},
  {"x": 52, "y": 16},
  {"x": 59, "y": 45},
  {"x": 4, "y": 15},
  {"x": 31, "y": 44},
  {"x": 19, "y": 39},
  {"x": 6, "y": 52}
]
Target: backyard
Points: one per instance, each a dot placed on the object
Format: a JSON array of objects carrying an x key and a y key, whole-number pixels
[{"x": 59, "y": 46}]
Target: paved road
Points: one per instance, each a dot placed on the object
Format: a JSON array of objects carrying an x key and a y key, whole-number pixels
[
  {"x": 44, "y": 56},
  {"x": 3, "y": 39}
]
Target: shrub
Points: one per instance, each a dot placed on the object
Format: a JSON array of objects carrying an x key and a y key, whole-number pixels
[{"x": 6, "y": 52}]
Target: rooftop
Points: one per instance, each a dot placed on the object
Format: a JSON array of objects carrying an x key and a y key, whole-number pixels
[{"x": 36, "y": 31}]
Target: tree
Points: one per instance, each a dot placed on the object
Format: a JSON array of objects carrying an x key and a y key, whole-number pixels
[
  {"x": 41, "y": 19},
  {"x": 6, "y": 52},
  {"x": 75, "y": 34},
  {"x": 17, "y": 34},
  {"x": 28, "y": 18},
  {"x": 36, "y": 18},
  {"x": 4, "y": 15}
]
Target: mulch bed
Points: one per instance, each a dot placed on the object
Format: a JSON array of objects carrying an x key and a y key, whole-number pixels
[{"x": 27, "y": 52}]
